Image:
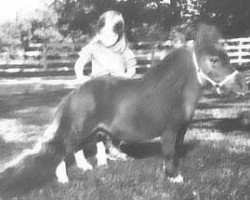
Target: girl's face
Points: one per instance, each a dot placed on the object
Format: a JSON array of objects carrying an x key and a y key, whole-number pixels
[
  {"x": 108, "y": 37},
  {"x": 112, "y": 30}
]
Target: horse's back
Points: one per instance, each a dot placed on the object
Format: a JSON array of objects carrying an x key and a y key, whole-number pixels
[{"x": 106, "y": 102}]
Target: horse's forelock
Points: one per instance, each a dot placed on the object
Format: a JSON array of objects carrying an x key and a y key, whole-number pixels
[{"x": 207, "y": 36}]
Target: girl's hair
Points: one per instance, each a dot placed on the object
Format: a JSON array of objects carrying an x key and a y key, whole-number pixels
[{"x": 102, "y": 19}]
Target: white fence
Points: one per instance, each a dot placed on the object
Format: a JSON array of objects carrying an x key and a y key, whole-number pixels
[
  {"x": 238, "y": 50},
  {"x": 61, "y": 56}
]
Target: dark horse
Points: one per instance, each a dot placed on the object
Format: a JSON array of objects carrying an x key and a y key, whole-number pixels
[{"x": 161, "y": 103}]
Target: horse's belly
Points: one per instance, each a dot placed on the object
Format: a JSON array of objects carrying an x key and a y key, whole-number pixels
[
  {"x": 130, "y": 136},
  {"x": 128, "y": 131}
]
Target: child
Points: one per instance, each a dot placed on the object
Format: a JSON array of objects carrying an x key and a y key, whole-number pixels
[
  {"x": 109, "y": 54},
  {"x": 108, "y": 50}
]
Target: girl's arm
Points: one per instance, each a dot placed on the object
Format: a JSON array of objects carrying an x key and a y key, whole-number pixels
[
  {"x": 131, "y": 71},
  {"x": 130, "y": 63},
  {"x": 79, "y": 67},
  {"x": 84, "y": 58}
]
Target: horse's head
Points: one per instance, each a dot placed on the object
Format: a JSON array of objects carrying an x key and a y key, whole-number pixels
[{"x": 213, "y": 65}]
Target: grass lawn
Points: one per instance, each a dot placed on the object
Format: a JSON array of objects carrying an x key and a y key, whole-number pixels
[{"x": 216, "y": 165}]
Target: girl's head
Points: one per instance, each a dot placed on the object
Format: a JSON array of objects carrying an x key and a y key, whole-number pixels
[{"x": 110, "y": 28}]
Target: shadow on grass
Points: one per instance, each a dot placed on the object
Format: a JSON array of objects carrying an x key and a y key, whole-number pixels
[
  {"x": 224, "y": 125},
  {"x": 10, "y": 103},
  {"x": 216, "y": 101},
  {"x": 31, "y": 108},
  {"x": 203, "y": 105},
  {"x": 5, "y": 148},
  {"x": 10, "y": 149},
  {"x": 149, "y": 149}
]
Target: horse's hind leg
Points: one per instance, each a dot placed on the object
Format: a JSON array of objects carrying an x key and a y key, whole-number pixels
[
  {"x": 179, "y": 145},
  {"x": 81, "y": 161},
  {"x": 61, "y": 173}
]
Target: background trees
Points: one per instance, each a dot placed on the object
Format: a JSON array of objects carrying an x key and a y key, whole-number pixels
[
  {"x": 37, "y": 28},
  {"x": 232, "y": 17},
  {"x": 145, "y": 19}
]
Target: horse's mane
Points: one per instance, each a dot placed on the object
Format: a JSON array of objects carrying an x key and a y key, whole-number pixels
[
  {"x": 207, "y": 39},
  {"x": 175, "y": 64}
]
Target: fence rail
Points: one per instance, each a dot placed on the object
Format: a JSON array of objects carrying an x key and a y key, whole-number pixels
[
  {"x": 59, "y": 58},
  {"x": 238, "y": 50},
  {"x": 49, "y": 58}
]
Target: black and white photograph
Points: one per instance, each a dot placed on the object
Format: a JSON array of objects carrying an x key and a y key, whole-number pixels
[{"x": 124, "y": 100}]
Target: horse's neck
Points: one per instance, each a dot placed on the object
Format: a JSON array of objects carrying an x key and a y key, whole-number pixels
[
  {"x": 177, "y": 81},
  {"x": 192, "y": 94}
]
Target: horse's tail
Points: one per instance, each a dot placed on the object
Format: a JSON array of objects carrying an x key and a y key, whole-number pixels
[{"x": 36, "y": 166}]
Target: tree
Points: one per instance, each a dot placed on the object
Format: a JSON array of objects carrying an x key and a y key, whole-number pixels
[
  {"x": 37, "y": 28},
  {"x": 233, "y": 17}
]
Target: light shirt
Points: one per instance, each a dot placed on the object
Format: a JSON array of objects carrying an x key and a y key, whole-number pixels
[{"x": 108, "y": 60}]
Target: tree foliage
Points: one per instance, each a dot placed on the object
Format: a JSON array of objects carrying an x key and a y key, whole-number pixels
[
  {"x": 233, "y": 17},
  {"x": 74, "y": 19},
  {"x": 36, "y": 28}
]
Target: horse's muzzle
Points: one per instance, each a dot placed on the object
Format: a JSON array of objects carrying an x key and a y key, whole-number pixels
[{"x": 235, "y": 86}]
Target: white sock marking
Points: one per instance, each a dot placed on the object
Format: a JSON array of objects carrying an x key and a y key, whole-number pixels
[
  {"x": 61, "y": 173},
  {"x": 81, "y": 161},
  {"x": 157, "y": 139},
  {"x": 116, "y": 154},
  {"x": 177, "y": 179},
  {"x": 101, "y": 155}
]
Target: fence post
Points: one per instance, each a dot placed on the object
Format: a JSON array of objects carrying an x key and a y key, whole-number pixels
[
  {"x": 155, "y": 48},
  {"x": 240, "y": 51},
  {"x": 44, "y": 57}
]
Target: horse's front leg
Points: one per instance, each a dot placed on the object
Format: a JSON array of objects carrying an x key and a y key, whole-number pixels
[
  {"x": 179, "y": 144},
  {"x": 101, "y": 155},
  {"x": 171, "y": 162}
]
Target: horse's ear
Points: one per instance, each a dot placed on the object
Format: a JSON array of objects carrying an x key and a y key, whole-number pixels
[{"x": 207, "y": 35}]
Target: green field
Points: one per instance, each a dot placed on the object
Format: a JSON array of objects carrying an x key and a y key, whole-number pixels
[{"x": 216, "y": 164}]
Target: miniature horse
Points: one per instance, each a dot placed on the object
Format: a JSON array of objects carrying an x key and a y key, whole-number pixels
[{"x": 161, "y": 103}]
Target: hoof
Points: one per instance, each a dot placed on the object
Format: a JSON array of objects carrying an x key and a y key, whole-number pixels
[
  {"x": 115, "y": 154},
  {"x": 85, "y": 167},
  {"x": 81, "y": 161},
  {"x": 122, "y": 157},
  {"x": 102, "y": 162},
  {"x": 177, "y": 179},
  {"x": 63, "y": 180},
  {"x": 61, "y": 173},
  {"x": 103, "y": 166}
]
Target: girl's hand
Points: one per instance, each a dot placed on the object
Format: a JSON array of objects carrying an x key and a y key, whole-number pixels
[{"x": 83, "y": 79}]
